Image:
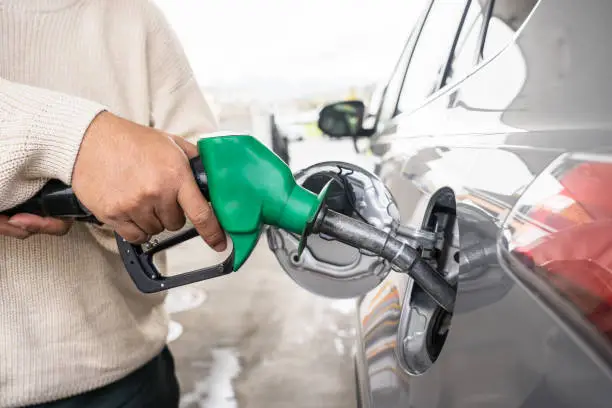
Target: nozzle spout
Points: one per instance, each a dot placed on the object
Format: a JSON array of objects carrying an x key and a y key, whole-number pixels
[{"x": 364, "y": 236}]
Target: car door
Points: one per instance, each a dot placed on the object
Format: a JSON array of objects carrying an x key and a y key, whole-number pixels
[
  {"x": 381, "y": 311},
  {"x": 523, "y": 156}
]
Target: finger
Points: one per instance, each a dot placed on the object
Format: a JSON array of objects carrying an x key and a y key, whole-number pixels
[
  {"x": 201, "y": 215},
  {"x": 9, "y": 230},
  {"x": 56, "y": 227},
  {"x": 131, "y": 233},
  {"x": 171, "y": 215},
  {"x": 147, "y": 221},
  {"x": 189, "y": 148},
  {"x": 40, "y": 225}
]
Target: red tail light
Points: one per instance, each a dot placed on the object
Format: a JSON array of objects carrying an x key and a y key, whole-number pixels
[{"x": 564, "y": 227}]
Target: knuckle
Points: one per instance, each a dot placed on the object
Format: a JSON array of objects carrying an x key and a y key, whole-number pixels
[
  {"x": 112, "y": 212},
  {"x": 202, "y": 216},
  {"x": 49, "y": 230},
  {"x": 34, "y": 229},
  {"x": 125, "y": 209},
  {"x": 174, "y": 226},
  {"x": 171, "y": 219},
  {"x": 175, "y": 173},
  {"x": 152, "y": 190},
  {"x": 182, "y": 170},
  {"x": 176, "y": 220},
  {"x": 215, "y": 237}
]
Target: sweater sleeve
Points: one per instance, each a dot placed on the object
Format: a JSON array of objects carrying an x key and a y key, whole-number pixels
[
  {"x": 40, "y": 136},
  {"x": 178, "y": 105}
]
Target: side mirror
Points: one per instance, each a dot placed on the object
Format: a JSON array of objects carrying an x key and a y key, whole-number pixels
[{"x": 342, "y": 119}]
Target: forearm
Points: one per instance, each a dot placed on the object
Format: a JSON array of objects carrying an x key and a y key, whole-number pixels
[{"x": 40, "y": 135}]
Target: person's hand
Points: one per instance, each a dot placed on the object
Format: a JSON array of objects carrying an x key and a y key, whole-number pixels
[
  {"x": 137, "y": 180},
  {"x": 22, "y": 226}
]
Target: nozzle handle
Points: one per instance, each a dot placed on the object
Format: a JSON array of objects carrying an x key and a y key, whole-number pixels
[{"x": 58, "y": 200}]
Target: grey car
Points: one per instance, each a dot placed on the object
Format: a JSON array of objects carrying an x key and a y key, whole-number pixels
[{"x": 493, "y": 135}]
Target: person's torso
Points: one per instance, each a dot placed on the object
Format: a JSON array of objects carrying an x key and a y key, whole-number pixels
[{"x": 67, "y": 304}]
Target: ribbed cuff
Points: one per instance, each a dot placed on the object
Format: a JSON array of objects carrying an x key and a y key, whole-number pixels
[{"x": 55, "y": 137}]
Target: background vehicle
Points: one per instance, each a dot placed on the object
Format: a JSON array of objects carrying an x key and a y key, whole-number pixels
[{"x": 494, "y": 130}]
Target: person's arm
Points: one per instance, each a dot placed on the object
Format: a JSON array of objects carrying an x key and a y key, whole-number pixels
[
  {"x": 40, "y": 135},
  {"x": 45, "y": 135},
  {"x": 96, "y": 155}
]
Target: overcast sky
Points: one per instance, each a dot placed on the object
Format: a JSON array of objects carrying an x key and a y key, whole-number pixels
[{"x": 289, "y": 45}]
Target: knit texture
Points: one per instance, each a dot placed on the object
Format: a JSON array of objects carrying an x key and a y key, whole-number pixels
[{"x": 71, "y": 319}]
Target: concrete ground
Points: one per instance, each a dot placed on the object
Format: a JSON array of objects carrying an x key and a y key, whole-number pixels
[{"x": 255, "y": 339}]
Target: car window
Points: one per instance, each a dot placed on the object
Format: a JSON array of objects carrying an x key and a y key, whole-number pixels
[
  {"x": 391, "y": 91},
  {"x": 465, "y": 55},
  {"x": 506, "y": 18},
  {"x": 430, "y": 53},
  {"x": 387, "y": 108}
]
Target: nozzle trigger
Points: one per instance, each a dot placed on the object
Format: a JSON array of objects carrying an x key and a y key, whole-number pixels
[{"x": 146, "y": 276}]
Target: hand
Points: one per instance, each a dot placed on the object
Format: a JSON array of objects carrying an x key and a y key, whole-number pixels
[
  {"x": 138, "y": 181},
  {"x": 23, "y": 226}
]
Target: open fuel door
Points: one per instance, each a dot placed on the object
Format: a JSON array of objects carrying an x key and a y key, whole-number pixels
[{"x": 328, "y": 267}]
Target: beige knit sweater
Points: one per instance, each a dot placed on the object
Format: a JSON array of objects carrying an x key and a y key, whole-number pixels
[{"x": 70, "y": 317}]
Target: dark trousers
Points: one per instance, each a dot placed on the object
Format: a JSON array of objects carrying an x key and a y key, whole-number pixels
[{"x": 154, "y": 385}]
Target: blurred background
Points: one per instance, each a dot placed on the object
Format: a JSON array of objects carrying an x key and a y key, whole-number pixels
[
  {"x": 255, "y": 338},
  {"x": 287, "y": 58}
]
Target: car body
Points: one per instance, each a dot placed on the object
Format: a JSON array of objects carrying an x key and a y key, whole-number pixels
[{"x": 498, "y": 115}]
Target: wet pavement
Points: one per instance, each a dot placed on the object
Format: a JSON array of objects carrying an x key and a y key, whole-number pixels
[{"x": 255, "y": 339}]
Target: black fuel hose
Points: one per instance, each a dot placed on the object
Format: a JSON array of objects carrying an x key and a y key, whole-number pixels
[{"x": 361, "y": 235}]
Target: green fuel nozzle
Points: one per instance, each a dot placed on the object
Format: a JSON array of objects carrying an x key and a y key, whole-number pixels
[{"x": 249, "y": 187}]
